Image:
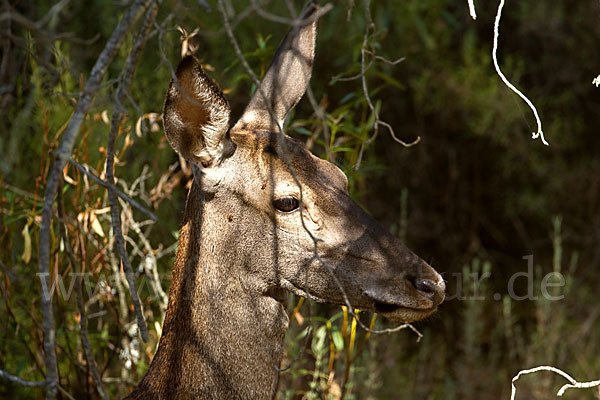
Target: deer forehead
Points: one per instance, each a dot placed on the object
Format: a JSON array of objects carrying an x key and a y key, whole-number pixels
[{"x": 284, "y": 165}]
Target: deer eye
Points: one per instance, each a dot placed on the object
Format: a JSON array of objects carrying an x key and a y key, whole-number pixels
[{"x": 286, "y": 204}]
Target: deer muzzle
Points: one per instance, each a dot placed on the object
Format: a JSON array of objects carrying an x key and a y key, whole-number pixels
[{"x": 407, "y": 299}]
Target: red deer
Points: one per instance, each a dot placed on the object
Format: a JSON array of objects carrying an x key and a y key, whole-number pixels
[{"x": 247, "y": 237}]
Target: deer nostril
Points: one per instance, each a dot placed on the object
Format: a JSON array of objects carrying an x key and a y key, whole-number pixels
[{"x": 425, "y": 286}]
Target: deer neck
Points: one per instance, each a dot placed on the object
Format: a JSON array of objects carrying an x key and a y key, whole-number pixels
[{"x": 221, "y": 338}]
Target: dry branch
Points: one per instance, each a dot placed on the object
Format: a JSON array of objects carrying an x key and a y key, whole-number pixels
[
  {"x": 16, "y": 379},
  {"x": 472, "y": 11},
  {"x": 363, "y": 75},
  {"x": 80, "y": 304},
  {"x": 150, "y": 255},
  {"x": 573, "y": 384},
  {"x": 316, "y": 240},
  {"x": 62, "y": 156},
  {"x": 117, "y": 119},
  {"x": 287, "y": 21},
  {"x": 119, "y": 192},
  {"x": 534, "y": 135}
]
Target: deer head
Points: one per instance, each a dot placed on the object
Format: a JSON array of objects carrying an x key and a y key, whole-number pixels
[{"x": 266, "y": 199}]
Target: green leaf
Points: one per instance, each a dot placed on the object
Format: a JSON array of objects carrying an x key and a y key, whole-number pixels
[
  {"x": 338, "y": 340},
  {"x": 26, "y": 256},
  {"x": 302, "y": 334},
  {"x": 318, "y": 344},
  {"x": 390, "y": 80},
  {"x": 347, "y": 98},
  {"x": 302, "y": 131},
  {"x": 340, "y": 149}
]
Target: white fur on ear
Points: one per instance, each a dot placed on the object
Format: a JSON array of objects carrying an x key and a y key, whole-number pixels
[
  {"x": 196, "y": 116},
  {"x": 215, "y": 148},
  {"x": 210, "y": 178},
  {"x": 256, "y": 120}
]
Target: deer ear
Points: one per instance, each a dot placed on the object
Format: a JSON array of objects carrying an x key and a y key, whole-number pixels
[
  {"x": 286, "y": 79},
  {"x": 196, "y": 116}
]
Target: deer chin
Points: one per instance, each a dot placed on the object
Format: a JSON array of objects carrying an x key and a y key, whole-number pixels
[
  {"x": 402, "y": 314},
  {"x": 400, "y": 309},
  {"x": 392, "y": 311},
  {"x": 298, "y": 291}
]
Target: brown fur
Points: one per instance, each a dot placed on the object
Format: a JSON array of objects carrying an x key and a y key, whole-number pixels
[{"x": 238, "y": 255}]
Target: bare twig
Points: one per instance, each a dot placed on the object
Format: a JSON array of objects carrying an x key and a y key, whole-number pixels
[
  {"x": 287, "y": 21},
  {"x": 573, "y": 384},
  {"x": 152, "y": 259},
  {"x": 161, "y": 31},
  {"x": 64, "y": 392},
  {"x": 315, "y": 239},
  {"x": 306, "y": 343},
  {"x": 240, "y": 56},
  {"x": 63, "y": 154},
  {"x": 54, "y": 10},
  {"x": 118, "y": 274},
  {"x": 17, "y": 190},
  {"x": 271, "y": 112},
  {"x": 349, "y": 305},
  {"x": 117, "y": 119},
  {"x": 20, "y": 19},
  {"x": 534, "y": 135},
  {"x": 16, "y": 379},
  {"x": 204, "y": 4},
  {"x": 385, "y": 60},
  {"x": 242, "y": 15},
  {"x": 36, "y": 28},
  {"x": 363, "y": 74},
  {"x": 80, "y": 304},
  {"x": 320, "y": 112},
  {"x": 472, "y": 9},
  {"x": 119, "y": 192}
]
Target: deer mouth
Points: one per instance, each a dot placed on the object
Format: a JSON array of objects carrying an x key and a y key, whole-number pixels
[
  {"x": 399, "y": 313},
  {"x": 404, "y": 308},
  {"x": 392, "y": 309},
  {"x": 385, "y": 308}
]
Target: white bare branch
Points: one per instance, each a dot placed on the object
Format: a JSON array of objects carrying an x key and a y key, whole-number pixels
[
  {"x": 539, "y": 132},
  {"x": 573, "y": 383},
  {"x": 472, "y": 9}
]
